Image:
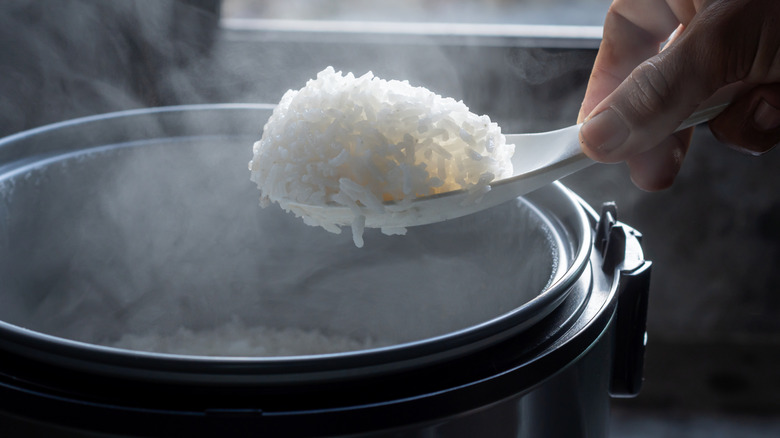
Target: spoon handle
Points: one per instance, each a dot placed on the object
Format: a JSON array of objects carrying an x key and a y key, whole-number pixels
[
  {"x": 702, "y": 116},
  {"x": 567, "y": 157}
]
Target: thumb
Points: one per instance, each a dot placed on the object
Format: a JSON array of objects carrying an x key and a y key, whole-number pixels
[{"x": 650, "y": 103}]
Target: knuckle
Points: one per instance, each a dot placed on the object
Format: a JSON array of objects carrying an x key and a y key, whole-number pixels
[
  {"x": 651, "y": 91},
  {"x": 744, "y": 50}
]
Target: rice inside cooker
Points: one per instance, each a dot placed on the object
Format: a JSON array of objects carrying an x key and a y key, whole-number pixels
[
  {"x": 235, "y": 338},
  {"x": 361, "y": 142}
]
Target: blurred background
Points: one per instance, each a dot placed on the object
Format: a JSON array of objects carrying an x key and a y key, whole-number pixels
[
  {"x": 559, "y": 12},
  {"x": 714, "y": 320}
]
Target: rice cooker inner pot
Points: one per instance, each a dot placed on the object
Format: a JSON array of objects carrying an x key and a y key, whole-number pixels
[{"x": 143, "y": 224}]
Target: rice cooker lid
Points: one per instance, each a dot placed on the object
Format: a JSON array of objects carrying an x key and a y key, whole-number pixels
[{"x": 568, "y": 223}]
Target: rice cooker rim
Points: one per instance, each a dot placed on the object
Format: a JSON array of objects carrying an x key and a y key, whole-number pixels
[
  {"x": 107, "y": 360},
  {"x": 335, "y": 407}
]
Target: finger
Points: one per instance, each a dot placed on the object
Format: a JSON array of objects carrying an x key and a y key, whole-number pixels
[
  {"x": 657, "y": 168},
  {"x": 719, "y": 47},
  {"x": 633, "y": 32},
  {"x": 655, "y": 98},
  {"x": 752, "y": 122}
]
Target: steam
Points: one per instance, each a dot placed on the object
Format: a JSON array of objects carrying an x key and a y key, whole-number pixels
[
  {"x": 172, "y": 236},
  {"x": 163, "y": 236},
  {"x": 65, "y": 59}
]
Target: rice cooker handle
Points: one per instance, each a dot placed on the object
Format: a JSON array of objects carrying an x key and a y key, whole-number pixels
[{"x": 622, "y": 254}]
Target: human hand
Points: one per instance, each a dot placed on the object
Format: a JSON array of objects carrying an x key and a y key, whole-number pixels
[{"x": 637, "y": 97}]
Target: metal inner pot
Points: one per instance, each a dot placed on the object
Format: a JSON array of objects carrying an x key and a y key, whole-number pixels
[
  {"x": 516, "y": 321},
  {"x": 145, "y": 223}
]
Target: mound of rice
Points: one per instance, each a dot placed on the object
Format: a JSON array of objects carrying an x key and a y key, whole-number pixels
[
  {"x": 360, "y": 142},
  {"x": 235, "y": 338}
]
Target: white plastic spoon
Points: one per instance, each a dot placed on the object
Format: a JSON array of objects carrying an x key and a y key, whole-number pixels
[{"x": 539, "y": 159}]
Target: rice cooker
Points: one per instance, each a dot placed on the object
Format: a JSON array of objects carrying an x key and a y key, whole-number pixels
[{"x": 518, "y": 321}]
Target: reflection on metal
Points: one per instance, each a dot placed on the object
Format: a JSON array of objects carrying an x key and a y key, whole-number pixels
[{"x": 437, "y": 33}]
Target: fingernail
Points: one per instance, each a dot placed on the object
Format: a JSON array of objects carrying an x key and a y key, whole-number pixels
[
  {"x": 766, "y": 117},
  {"x": 605, "y": 131}
]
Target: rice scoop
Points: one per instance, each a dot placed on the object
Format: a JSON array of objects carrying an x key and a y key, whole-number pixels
[{"x": 371, "y": 143}]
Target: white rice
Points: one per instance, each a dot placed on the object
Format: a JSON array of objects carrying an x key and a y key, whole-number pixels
[
  {"x": 237, "y": 339},
  {"x": 357, "y": 142}
]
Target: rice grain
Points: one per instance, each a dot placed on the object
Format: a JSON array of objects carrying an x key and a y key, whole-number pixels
[{"x": 359, "y": 142}]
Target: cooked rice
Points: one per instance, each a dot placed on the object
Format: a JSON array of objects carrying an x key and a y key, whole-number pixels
[
  {"x": 238, "y": 339},
  {"x": 358, "y": 142}
]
